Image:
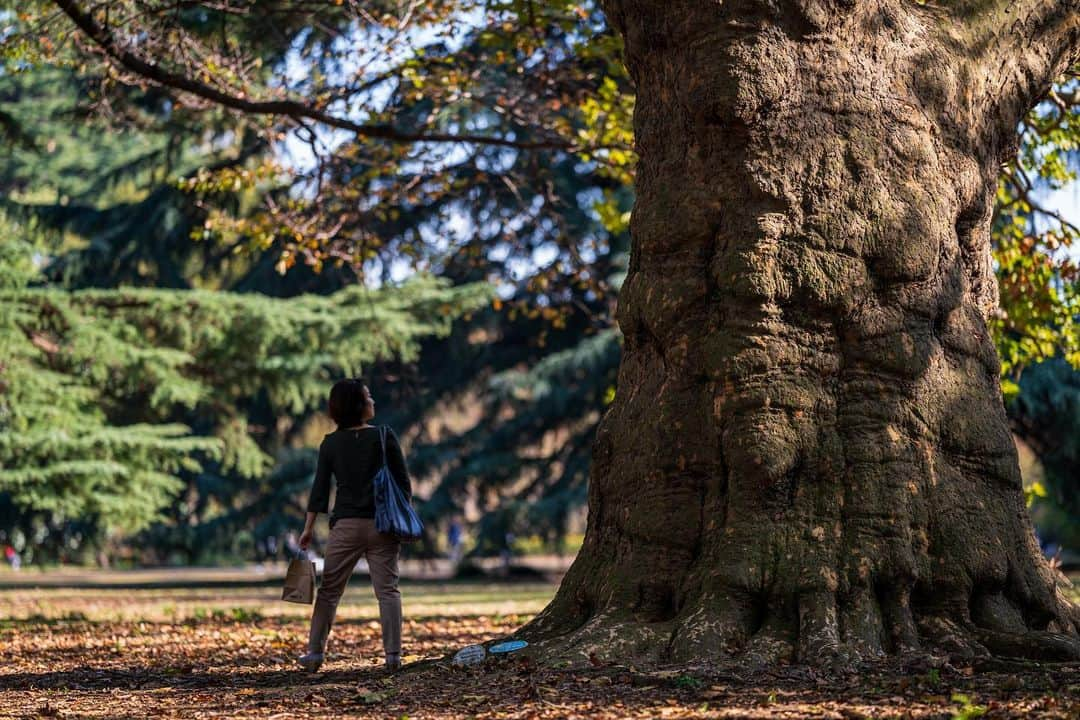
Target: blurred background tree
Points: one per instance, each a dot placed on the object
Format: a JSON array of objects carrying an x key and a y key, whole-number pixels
[
  {"x": 155, "y": 388},
  {"x": 319, "y": 147}
]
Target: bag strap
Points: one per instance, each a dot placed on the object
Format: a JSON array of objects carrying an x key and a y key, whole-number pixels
[{"x": 382, "y": 440}]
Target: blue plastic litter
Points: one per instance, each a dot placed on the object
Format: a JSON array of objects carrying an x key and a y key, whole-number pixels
[{"x": 508, "y": 646}]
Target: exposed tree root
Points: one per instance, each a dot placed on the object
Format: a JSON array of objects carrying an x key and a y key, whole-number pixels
[
  {"x": 1034, "y": 645},
  {"x": 724, "y": 635}
]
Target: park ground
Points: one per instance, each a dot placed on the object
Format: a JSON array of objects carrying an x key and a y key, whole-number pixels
[{"x": 220, "y": 644}]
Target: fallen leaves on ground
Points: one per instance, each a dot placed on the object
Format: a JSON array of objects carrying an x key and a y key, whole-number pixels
[{"x": 240, "y": 664}]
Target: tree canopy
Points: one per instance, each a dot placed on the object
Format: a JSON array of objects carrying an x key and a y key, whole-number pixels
[
  {"x": 420, "y": 127},
  {"x": 364, "y": 141}
]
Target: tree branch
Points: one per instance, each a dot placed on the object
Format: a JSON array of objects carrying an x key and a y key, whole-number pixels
[
  {"x": 1024, "y": 45},
  {"x": 1020, "y": 181},
  {"x": 283, "y": 108}
]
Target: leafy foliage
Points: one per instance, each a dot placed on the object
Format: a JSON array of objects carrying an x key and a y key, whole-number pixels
[
  {"x": 114, "y": 397},
  {"x": 432, "y": 137},
  {"x": 1036, "y": 247},
  {"x": 365, "y": 141},
  {"x": 545, "y": 219}
]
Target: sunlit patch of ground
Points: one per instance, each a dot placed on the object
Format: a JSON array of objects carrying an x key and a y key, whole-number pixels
[
  {"x": 227, "y": 652},
  {"x": 198, "y": 603}
]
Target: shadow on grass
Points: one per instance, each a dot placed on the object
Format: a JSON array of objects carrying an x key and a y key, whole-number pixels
[
  {"x": 87, "y": 678},
  {"x": 228, "y": 618}
]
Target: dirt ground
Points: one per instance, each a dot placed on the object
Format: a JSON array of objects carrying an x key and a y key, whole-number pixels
[{"x": 201, "y": 652}]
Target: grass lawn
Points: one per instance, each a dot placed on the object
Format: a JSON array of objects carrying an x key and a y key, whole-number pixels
[
  {"x": 421, "y": 600},
  {"x": 228, "y": 652}
]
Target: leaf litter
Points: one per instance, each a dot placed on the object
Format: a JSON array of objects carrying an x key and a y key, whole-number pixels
[{"x": 240, "y": 664}]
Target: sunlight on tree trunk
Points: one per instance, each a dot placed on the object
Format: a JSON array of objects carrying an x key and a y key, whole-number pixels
[{"x": 808, "y": 457}]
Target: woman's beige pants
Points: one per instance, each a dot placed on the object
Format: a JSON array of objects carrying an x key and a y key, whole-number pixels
[{"x": 351, "y": 539}]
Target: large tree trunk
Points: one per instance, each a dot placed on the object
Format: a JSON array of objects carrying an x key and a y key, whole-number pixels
[{"x": 808, "y": 454}]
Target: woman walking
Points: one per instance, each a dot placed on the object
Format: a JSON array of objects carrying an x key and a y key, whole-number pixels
[{"x": 353, "y": 454}]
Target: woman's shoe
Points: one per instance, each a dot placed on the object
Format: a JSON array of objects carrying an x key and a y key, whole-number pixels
[{"x": 311, "y": 662}]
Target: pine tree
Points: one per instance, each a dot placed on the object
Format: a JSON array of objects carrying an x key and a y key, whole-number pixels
[{"x": 113, "y": 397}]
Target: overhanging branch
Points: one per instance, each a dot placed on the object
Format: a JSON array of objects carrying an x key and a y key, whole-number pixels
[{"x": 282, "y": 108}]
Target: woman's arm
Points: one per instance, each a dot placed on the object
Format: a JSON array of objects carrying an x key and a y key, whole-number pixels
[
  {"x": 319, "y": 500},
  {"x": 396, "y": 460},
  {"x": 309, "y": 528}
]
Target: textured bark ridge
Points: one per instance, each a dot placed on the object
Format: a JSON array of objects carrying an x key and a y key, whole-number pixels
[{"x": 808, "y": 457}]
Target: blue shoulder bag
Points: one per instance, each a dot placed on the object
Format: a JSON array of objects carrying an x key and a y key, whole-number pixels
[{"x": 394, "y": 514}]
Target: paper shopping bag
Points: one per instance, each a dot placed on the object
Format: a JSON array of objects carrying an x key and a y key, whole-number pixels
[{"x": 299, "y": 581}]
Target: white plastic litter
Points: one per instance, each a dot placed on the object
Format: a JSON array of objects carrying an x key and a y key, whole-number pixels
[{"x": 469, "y": 656}]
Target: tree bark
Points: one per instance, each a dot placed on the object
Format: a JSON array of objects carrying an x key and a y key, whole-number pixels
[{"x": 808, "y": 456}]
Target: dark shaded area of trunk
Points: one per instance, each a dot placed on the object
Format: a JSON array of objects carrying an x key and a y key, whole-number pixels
[{"x": 808, "y": 456}]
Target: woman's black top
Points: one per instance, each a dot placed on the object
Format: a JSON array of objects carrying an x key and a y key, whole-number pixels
[{"x": 353, "y": 457}]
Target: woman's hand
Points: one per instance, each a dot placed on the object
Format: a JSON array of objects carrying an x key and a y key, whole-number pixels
[{"x": 309, "y": 526}]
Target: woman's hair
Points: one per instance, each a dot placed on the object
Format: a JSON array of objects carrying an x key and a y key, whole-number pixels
[{"x": 347, "y": 402}]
